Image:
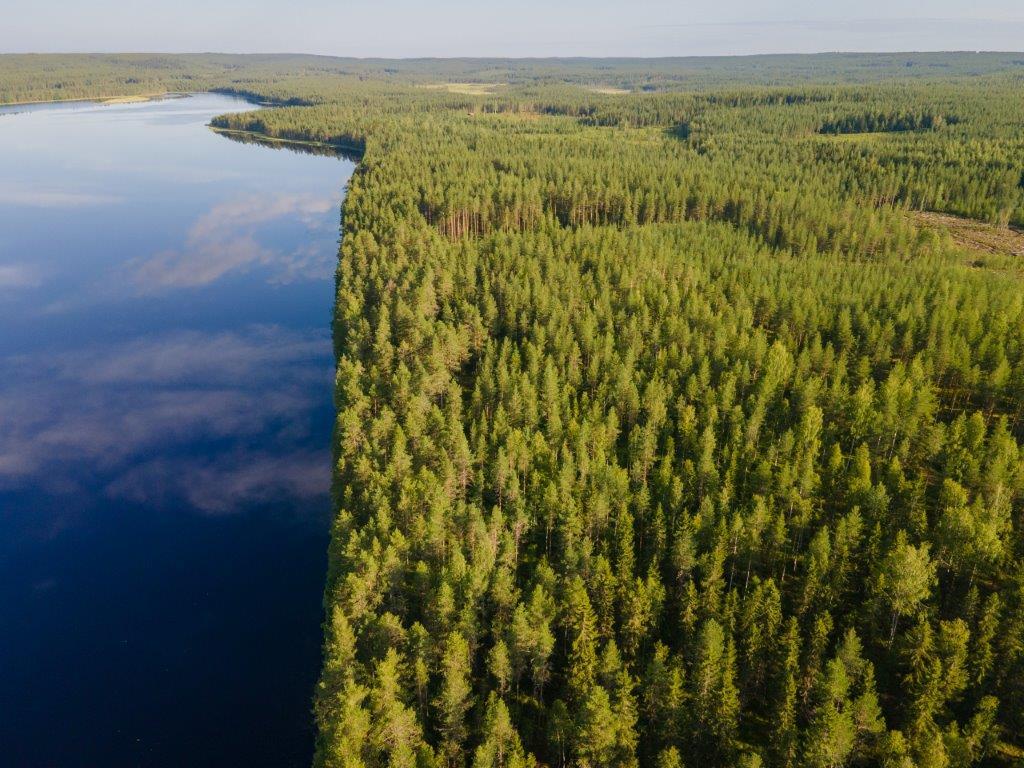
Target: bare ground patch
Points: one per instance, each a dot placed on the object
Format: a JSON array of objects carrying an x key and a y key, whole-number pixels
[
  {"x": 467, "y": 89},
  {"x": 976, "y": 235}
]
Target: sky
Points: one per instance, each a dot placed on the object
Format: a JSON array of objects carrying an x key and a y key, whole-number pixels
[{"x": 410, "y": 28}]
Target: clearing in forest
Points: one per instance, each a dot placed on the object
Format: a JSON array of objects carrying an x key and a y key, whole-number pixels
[
  {"x": 468, "y": 89},
  {"x": 976, "y": 235}
]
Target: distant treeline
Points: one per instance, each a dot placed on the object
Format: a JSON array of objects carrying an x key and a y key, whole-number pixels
[{"x": 38, "y": 77}]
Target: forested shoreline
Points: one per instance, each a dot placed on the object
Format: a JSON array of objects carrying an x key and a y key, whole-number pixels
[{"x": 667, "y": 434}]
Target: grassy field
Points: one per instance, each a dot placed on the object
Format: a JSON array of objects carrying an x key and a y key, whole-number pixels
[{"x": 466, "y": 89}]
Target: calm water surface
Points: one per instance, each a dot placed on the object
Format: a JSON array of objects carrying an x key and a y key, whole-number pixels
[{"x": 165, "y": 415}]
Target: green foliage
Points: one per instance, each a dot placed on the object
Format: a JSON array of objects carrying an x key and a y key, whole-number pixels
[{"x": 703, "y": 447}]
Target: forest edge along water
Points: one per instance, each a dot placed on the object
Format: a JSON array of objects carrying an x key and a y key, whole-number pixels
[{"x": 164, "y": 434}]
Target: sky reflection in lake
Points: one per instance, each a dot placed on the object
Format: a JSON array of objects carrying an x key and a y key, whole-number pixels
[{"x": 165, "y": 414}]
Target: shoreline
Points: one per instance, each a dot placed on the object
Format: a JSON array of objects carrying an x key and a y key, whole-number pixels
[
  {"x": 178, "y": 174},
  {"x": 123, "y": 99},
  {"x": 148, "y": 97},
  {"x": 262, "y": 137}
]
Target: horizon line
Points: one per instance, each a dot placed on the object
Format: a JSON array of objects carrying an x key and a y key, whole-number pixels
[{"x": 775, "y": 54}]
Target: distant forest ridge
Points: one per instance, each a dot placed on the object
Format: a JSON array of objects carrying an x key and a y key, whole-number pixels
[{"x": 29, "y": 77}]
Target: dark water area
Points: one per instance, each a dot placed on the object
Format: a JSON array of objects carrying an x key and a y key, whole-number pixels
[{"x": 165, "y": 416}]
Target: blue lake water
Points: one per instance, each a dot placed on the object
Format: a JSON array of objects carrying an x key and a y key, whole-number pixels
[{"x": 165, "y": 417}]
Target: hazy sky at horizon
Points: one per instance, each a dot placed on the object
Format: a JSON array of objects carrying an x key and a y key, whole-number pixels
[{"x": 402, "y": 28}]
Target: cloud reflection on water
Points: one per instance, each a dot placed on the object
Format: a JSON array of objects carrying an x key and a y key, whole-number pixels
[
  {"x": 20, "y": 194},
  {"x": 217, "y": 419},
  {"x": 19, "y": 276},
  {"x": 227, "y": 239},
  {"x": 219, "y": 486},
  {"x": 164, "y": 447}
]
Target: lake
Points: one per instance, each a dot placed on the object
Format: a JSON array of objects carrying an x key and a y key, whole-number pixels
[{"x": 165, "y": 419}]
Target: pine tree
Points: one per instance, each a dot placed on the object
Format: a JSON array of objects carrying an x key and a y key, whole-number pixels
[
  {"x": 500, "y": 747},
  {"x": 904, "y": 579},
  {"x": 395, "y": 732},
  {"x": 453, "y": 700}
]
